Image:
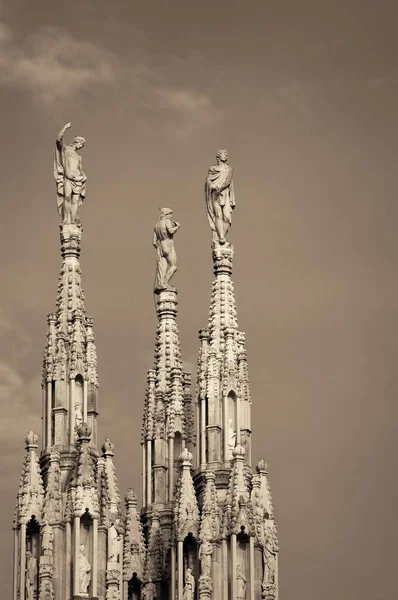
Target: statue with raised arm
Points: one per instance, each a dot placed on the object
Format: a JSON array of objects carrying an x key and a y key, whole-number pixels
[
  {"x": 69, "y": 177},
  {"x": 166, "y": 258},
  {"x": 220, "y": 197}
]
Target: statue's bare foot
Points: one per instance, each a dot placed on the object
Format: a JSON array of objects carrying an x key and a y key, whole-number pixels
[
  {"x": 171, "y": 288},
  {"x": 222, "y": 241}
]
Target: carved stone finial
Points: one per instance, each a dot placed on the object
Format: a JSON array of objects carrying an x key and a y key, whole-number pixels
[
  {"x": 166, "y": 258},
  {"x": 84, "y": 433},
  {"x": 107, "y": 448},
  {"x": 262, "y": 466},
  {"x": 220, "y": 197},
  {"x": 31, "y": 440},
  {"x": 238, "y": 451},
  {"x": 186, "y": 457},
  {"x": 69, "y": 177}
]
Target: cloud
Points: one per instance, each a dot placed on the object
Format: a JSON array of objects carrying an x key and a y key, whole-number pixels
[{"x": 52, "y": 64}]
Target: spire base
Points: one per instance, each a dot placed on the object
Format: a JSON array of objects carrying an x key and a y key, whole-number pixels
[
  {"x": 71, "y": 237},
  {"x": 166, "y": 303},
  {"x": 222, "y": 258}
]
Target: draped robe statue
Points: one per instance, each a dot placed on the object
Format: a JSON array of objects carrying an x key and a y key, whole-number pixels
[
  {"x": 84, "y": 571},
  {"x": 69, "y": 177},
  {"x": 220, "y": 197},
  {"x": 205, "y": 552},
  {"x": 240, "y": 584},
  {"x": 189, "y": 588},
  {"x": 31, "y": 576},
  {"x": 166, "y": 258}
]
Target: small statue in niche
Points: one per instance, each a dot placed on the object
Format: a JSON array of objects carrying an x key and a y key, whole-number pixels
[
  {"x": 269, "y": 557},
  {"x": 189, "y": 587},
  {"x": 47, "y": 539},
  {"x": 231, "y": 438},
  {"x": 84, "y": 572},
  {"x": 205, "y": 552},
  {"x": 31, "y": 576},
  {"x": 114, "y": 542},
  {"x": 149, "y": 592},
  {"x": 240, "y": 584}
]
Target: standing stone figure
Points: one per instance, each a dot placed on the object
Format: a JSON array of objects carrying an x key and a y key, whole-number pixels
[
  {"x": 47, "y": 538},
  {"x": 240, "y": 584},
  {"x": 205, "y": 552},
  {"x": 69, "y": 177},
  {"x": 220, "y": 197},
  {"x": 231, "y": 438},
  {"x": 189, "y": 588},
  {"x": 114, "y": 542},
  {"x": 269, "y": 558},
  {"x": 166, "y": 258},
  {"x": 149, "y": 592},
  {"x": 31, "y": 576},
  {"x": 84, "y": 571}
]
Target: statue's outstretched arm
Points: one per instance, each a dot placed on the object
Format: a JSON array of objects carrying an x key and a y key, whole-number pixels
[{"x": 62, "y": 132}]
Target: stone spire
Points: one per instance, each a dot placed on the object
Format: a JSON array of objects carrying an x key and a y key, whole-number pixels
[{"x": 70, "y": 358}]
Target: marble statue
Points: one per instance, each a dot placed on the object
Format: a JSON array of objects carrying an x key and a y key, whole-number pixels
[
  {"x": 240, "y": 584},
  {"x": 189, "y": 587},
  {"x": 166, "y": 260},
  {"x": 231, "y": 438},
  {"x": 47, "y": 538},
  {"x": 84, "y": 571},
  {"x": 220, "y": 197},
  {"x": 205, "y": 552},
  {"x": 69, "y": 177},
  {"x": 114, "y": 543},
  {"x": 149, "y": 592},
  {"x": 269, "y": 560},
  {"x": 31, "y": 576}
]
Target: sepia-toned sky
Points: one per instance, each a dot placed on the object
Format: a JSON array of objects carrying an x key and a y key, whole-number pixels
[{"x": 304, "y": 95}]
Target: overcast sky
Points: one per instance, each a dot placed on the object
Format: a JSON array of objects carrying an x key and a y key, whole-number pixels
[{"x": 303, "y": 94}]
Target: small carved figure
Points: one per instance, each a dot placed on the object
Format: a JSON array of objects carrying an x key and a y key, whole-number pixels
[
  {"x": 31, "y": 576},
  {"x": 240, "y": 584},
  {"x": 46, "y": 591},
  {"x": 269, "y": 559},
  {"x": 205, "y": 552},
  {"x": 189, "y": 588},
  {"x": 69, "y": 177},
  {"x": 47, "y": 538},
  {"x": 231, "y": 438},
  {"x": 114, "y": 542},
  {"x": 149, "y": 592},
  {"x": 166, "y": 257},
  {"x": 220, "y": 197},
  {"x": 84, "y": 571}
]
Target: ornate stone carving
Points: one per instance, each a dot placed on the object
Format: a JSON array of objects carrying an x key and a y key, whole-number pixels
[
  {"x": 69, "y": 177},
  {"x": 189, "y": 587},
  {"x": 149, "y": 591},
  {"x": 205, "y": 552},
  {"x": 31, "y": 576},
  {"x": 240, "y": 583},
  {"x": 46, "y": 590},
  {"x": 53, "y": 497},
  {"x": 220, "y": 197},
  {"x": 84, "y": 571},
  {"x": 166, "y": 258},
  {"x": 47, "y": 539},
  {"x": 186, "y": 511}
]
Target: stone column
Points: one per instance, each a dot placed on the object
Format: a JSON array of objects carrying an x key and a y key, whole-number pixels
[
  {"x": 72, "y": 412},
  {"x": 173, "y": 573},
  {"x": 171, "y": 468},
  {"x": 203, "y": 432},
  {"x": 22, "y": 550},
  {"x": 224, "y": 553},
  {"x": 85, "y": 404},
  {"x": 233, "y": 578},
  {"x": 180, "y": 569},
  {"x": 102, "y": 558},
  {"x": 68, "y": 560},
  {"x": 76, "y": 535},
  {"x": 252, "y": 570},
  {"x": 149, "y": 472},
  {"x": 48, "y": 414},
  {"x": 95, "y": 558},
  {"x": 15, "y": 574},
  {"x": 225, "y": 424},
  {"x": 143, "y": 474}
]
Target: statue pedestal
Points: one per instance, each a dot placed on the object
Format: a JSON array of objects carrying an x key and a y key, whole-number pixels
[{"x": 87, "y": 597}]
